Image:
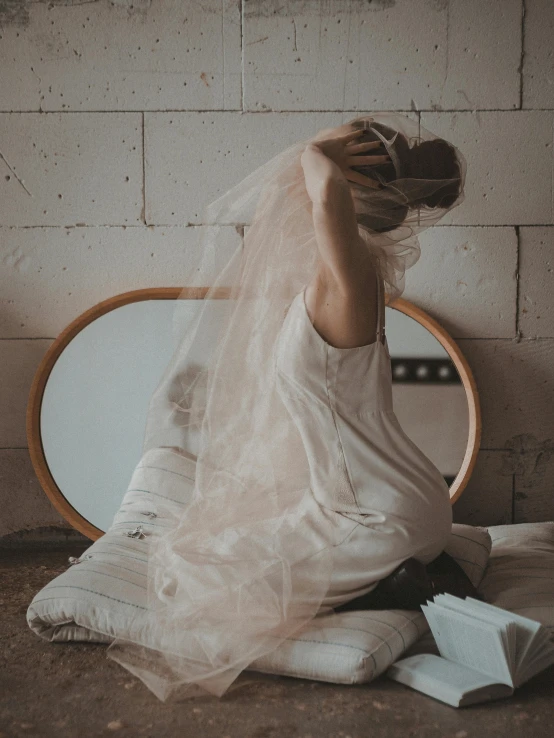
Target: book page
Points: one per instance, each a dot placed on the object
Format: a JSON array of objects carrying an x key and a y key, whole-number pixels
[
  {"x": 445, "y": 680},
  {"x": 468, "y": 641},
  {"x": 535, "y": 665},
  {"x": 515, "y": 641},
  {"x": 534, "y": 650},
  {"x": 541, "y": 644},
  {"x": 526, "y": 628}
]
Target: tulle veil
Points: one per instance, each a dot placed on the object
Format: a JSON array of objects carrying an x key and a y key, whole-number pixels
[{"x": 238, "y": 570}]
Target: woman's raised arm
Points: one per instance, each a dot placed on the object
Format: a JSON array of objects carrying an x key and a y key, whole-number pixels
[
  {"x": 327, "y": 170},
  {"x": 340, "y": 246}
]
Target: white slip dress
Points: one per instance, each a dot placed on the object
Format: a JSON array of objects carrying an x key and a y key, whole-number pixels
[{"x": 386, "y": 497}]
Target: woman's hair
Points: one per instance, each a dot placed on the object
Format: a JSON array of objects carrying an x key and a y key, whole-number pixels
[{"x": 434, "y": 159}]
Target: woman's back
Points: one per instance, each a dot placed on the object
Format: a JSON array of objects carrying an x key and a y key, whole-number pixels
[{"x": 388, "y": 497}]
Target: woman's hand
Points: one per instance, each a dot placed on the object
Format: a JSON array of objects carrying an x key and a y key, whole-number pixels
[{"x": 330, "y": 157}]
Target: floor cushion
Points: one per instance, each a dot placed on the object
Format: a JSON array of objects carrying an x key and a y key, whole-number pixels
[
  {"x": 104, "y": 590},
  {"x": 520, "y": 575}
]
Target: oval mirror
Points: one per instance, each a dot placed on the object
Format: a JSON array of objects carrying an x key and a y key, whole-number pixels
[{"x": 89, "y": 399}]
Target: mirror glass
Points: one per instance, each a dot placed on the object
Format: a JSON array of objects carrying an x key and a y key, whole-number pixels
[
  {"x": 429, "y": 398},
  {"x": 95, "y": 400}
]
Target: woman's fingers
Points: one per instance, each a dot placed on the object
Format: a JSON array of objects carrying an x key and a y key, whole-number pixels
[
  {"x": 373, "y": 159},
  {"x": 361, "y": 179},
  {"x": 352, "y": 135},
  {"x": 353, "y": 148}
]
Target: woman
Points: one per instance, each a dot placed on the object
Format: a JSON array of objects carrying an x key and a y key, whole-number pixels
[
  {"x": 350, "y": 366},
  {"x": 308, "y": 495}
]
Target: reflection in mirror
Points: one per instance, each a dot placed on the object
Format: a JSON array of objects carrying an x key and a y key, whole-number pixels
[{"x": 95, "y": 399}]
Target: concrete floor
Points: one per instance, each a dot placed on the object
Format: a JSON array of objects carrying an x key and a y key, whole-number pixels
[{"x": 73, "y": 690}]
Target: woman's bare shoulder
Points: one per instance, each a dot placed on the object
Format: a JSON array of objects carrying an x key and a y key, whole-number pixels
[{"x": 345, "y": 314}]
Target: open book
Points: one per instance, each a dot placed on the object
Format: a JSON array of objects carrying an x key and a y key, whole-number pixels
[{"x": 486, "y": 652}]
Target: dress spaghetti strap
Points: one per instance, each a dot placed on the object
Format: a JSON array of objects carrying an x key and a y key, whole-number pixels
[{"x": 380, "y": 315}]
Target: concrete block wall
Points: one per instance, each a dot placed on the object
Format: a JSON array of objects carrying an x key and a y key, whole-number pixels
[{"x": 120, "y": 120}]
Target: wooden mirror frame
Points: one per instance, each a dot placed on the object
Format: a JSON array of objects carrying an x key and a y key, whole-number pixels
[{"x": 34, "y": 404}]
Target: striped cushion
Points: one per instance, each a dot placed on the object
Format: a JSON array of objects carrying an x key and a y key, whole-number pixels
[
  {"x": 520, "y": 574},
  {"x": 357, "y": 646},
  {"x": 104, "y": 592}
]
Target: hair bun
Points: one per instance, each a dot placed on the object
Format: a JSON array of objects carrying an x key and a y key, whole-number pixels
[
  {"x": 436, "y": 159},
  {"x": 431, "y": 160}
]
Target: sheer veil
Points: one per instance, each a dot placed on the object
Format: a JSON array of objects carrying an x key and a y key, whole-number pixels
[{"x": 240, "y": 569}]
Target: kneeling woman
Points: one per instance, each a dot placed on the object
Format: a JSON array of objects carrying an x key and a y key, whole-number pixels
[{"x": 309, "y": 497}]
